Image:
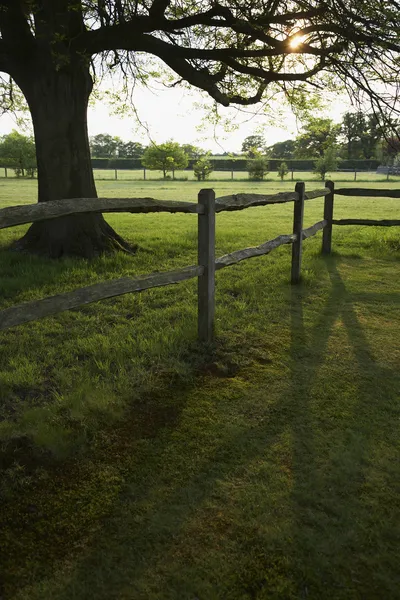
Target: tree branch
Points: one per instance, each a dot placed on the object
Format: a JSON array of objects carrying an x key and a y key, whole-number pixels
[{"x": 158, "y": 8}]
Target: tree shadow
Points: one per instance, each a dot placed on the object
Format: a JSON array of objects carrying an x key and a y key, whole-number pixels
[{"x": 332, "y": 448}]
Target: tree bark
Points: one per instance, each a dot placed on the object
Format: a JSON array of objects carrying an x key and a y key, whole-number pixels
[{"x": 58, "y": 100}]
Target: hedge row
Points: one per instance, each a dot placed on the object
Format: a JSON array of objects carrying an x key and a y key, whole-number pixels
[
  {"x": 237, "y": 164},
  {"x": 227, "y": 164}
]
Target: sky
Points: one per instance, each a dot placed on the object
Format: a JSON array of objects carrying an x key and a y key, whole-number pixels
[{"x": 176, "y": 113}]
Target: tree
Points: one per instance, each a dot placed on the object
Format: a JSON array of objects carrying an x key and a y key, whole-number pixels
[
  {"x": 283, "y": 170},
  {"x": 352, "y": 129},
  {"x": 165, "y": 157},
  {"x": 389, "y": 150},
  {"x": 362, "y": 133},
  {"x": 104, "y": 145},
  {"x": 318, "y": 135},
  {"x": 232, "y": 50},
  {"x": 284, "y": 149},
  {"x": 202, "y": 168},
  {"x": 327, "y": 163},
  {"x": 193, "y": 152},
  {"x": 257, "y": 167},
  {"x": 253, "y": 144},
  {"x": 18, "y": 152},
  {"x": 130, "y": 150}
]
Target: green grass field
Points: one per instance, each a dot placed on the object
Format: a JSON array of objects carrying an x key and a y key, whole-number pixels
[{"x": 137, "y": 465}]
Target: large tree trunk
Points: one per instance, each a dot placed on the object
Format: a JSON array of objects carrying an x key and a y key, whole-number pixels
[{"x": 58, "y": 101}]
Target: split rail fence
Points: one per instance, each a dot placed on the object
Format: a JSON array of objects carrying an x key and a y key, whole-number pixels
[{"x": 206, "y": 209}]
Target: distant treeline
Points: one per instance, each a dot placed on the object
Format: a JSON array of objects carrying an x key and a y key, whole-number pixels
[{"x": 239, "y": 164}]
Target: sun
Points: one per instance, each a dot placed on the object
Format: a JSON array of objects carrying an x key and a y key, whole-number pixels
[{"x": 296, "y": 41}]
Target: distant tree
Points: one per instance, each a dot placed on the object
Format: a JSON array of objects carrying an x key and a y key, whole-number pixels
[
  {"x": 130, "y": 149},
  {"x": 374, "y": 132},
  {"x": 284, "y": 149},
  {"x": 253, "y": 144},
  {"x": 361, "y": 133},
  {"x": 193, "y": 152},
  {"x": 104, "y": 145},
  {"x": 202, "y": 168},
  {"x": 352, "y": 128},
  {"x": 18, "y": 152},
  {"x": 165, "y": 157},
  {"x": 257, "y": 167},
  {"x": 327, "y": 163},
  {"x": 318, "y": 135},
  {"x": 389, "y": 150},
  {"x": 283, "y": 170}
]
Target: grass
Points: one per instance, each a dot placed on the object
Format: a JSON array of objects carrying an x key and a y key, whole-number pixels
[{"x": 138, "y": 465}]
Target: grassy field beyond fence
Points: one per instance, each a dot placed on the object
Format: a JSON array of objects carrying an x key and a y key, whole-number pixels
[{"x": 137, "y": 465}]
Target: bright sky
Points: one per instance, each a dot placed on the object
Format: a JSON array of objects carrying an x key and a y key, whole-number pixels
[{"x": 174, "y": 113}]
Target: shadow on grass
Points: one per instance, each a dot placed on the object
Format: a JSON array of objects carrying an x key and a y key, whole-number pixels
[{"x": 331, "y": 528}]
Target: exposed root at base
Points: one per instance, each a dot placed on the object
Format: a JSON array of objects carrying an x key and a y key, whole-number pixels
[{"x": 85, "y": 236}]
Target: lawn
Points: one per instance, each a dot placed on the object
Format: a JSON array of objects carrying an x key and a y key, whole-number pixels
[{"x": 138, "y": 465}]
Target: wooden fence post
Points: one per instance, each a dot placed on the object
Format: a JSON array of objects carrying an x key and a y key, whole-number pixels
[
  {"x": 206, "y": 259},
  {"x": 115, "y": 174},
  {"x": 328, "y": 216},
  {"x": 297, "y": 245}
]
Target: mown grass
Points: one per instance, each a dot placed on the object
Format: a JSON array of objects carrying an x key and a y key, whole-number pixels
[{"x": 138, "y": 465}]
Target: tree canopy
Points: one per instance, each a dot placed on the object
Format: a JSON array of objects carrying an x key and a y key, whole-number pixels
[
  {"x": 165, "y": 157},
  {"x": 318, "y": 135},
  {"x": 253, "y": 144},
  {"x": 231, "y": 49},
  {"x": 18, "y": 152}
]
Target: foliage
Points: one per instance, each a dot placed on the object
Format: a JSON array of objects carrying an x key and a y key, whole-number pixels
[
  {"x": 257, "y": 167},
  {"x": 283, "y": 170},
  {"x": 202, "y": 168},
  {"x": 327, "y": 163},
  {"x": 194, "y": 152},
  {"x": 130, "y": 149},
  {"x": 389, "y": 150},
  {"x": 165, "y": 157},
  {"x": 253, "y": 145},
  {"x": 284, "y": 149},
  {"x": 18, "y": 152},
  {"x": 318, "y": 135},
  {"x": 105, "y": 145},
  {"x": 361, "y": 133}
]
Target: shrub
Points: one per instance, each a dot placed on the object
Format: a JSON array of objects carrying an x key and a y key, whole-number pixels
[
  {"x": 257, "y": 168},
  {"x": 283, "y": 170},
  {"x": 328, "y": 162},
  {"x": 202, "y": 168}
]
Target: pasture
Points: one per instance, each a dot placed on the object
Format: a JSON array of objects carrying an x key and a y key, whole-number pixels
[{"x": 138, "y": 465}]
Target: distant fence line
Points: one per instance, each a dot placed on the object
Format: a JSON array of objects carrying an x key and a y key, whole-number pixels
[{"x": 206, "y": 209}]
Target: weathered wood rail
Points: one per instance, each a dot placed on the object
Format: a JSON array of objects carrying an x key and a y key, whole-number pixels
[
  {"x": 206, "y": 209},
  {"x": 357, "y": 192}
]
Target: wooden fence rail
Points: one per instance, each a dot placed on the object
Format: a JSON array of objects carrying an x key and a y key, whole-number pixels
[
  {"x": 357, "y": 192},
  {"x": 206, "y": 208}
]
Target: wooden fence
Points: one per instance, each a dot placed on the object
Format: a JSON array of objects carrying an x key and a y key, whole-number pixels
[{"x": 206, "y": 208}]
